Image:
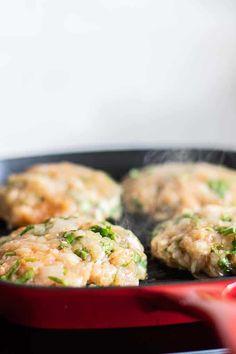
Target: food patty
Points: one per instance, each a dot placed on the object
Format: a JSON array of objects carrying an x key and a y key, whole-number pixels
[
  {"x": 59, "y": 189},
  {"x": 66, "y": 252},
  {"x": 201, "y": 242},
  {"x": 163, "y": 191}
]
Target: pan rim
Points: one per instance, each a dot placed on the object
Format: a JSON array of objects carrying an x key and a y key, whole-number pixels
[{"x": 145, "y": 148}]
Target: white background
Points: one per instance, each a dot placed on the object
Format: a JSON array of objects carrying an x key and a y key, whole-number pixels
[{"x": 76, "y": 74}]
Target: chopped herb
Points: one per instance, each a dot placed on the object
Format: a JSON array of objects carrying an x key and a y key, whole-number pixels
[
  {"x": 63, "y": 244},
  {"x": 108, "y": 246},
  {"x": 139, "y": 260},
  {"x": 226, "y": 230},
  {"x": 187, "y": 216},
  {"x": 233, "y": 249},
  {"x": 105, "y": 231},
  {"x": 134, "y": 173},
  {"x": 68, "y": 238},
  {"x": 216, "y": 248},
  {"x": 209, "y": 228},
  {"x": 220, "y": 187},
  {"x": 28, "y": 275},
  {"x": 26, "y": 229},
  {"x": 234, "y": 244},
  {"x": 83, "y": 254},
  {"x": 143, "y": 263},
  {"x": 11, "y": 271},
  {"x": 57, "y": 280},
  {"x": 219, "y": 247},
  {"x": 10, "y": 253},
  {"x": 190, "y": 216},
  {"x": 224, "y": 264},
  {"x": 78, "y": 238},
  {"x": 48, "y": 223},
  {"x": 226, "y": 217},
  {"x": 31, "y": 259}
]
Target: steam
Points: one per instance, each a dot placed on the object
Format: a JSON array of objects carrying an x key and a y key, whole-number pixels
[{"x": 183, "y": 155}]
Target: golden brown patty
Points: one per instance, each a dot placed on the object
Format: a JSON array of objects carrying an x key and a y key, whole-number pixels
[
  {"x": 66, "y": 252},
  {"x": 163, "y": 191},
  {"x": 60, "y": 189},
  {"x": 202, "y": 242}
]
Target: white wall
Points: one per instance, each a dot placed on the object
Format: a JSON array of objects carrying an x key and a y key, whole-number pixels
[{"x": 116, "y": 72}]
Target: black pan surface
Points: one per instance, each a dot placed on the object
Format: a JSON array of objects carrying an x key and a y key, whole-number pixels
[{"x": 117, "y": 164}]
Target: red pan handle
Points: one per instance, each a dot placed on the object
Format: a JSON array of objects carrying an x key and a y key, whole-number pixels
[{"x": 216, "y": 305}]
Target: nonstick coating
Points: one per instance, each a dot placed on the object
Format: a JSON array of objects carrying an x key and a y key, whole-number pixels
[{"x": 117, "y": 164}]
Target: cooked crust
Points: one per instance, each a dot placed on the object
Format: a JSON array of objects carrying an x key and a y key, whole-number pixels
[
  {"x": 201, "y": 242},
  {"x": 163, "y": 191},
  {"x": 59, "y": 189},
  {"x": 68, "y": 252}
]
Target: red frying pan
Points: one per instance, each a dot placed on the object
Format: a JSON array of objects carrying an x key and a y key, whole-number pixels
[{"x": 167, "y": 296}]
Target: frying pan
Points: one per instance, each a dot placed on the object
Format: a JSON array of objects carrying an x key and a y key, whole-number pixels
[{"x": 167, "y": 296}]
